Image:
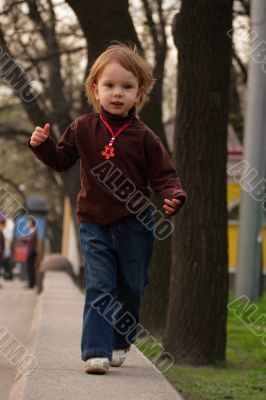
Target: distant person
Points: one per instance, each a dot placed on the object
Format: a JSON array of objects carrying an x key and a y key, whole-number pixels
[
  {"x": 117, "y": 152},
  {"x": 2, "y": 242},
  {"x": 7, "y": 261},
  {"x": 32, "y": 252}
]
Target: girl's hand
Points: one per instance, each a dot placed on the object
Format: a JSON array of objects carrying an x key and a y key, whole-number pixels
[
  {"x": 171, "y": 206},
  {"x": 39, "y": 135}
]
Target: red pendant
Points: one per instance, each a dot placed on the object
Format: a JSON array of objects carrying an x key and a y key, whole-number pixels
[{"x": 108, "y": 152}]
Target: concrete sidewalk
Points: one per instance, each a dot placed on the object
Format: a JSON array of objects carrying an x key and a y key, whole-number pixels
[
  {"x": 59, "y": 375},
  {"x": 16, "y": 310}
]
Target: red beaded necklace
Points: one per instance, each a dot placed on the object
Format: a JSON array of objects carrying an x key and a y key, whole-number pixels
[{"x": 109, "y": 150}]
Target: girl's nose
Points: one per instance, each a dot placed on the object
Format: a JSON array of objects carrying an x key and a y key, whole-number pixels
[{"x": 117, "y": 91}]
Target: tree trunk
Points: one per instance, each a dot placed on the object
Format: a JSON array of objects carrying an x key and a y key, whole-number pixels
[
  {"x": 236, "y": 117},
  {"x": 155, "y": 301},
  {"x": 196, "y": 320}
]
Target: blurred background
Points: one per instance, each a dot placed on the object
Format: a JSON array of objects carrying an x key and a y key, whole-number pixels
[{"x": 207, "y": 107}]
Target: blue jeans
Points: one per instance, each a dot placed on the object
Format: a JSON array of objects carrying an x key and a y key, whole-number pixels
[{"x": 117, "y": 258}]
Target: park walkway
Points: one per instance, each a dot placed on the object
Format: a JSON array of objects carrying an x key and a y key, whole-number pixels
[
  {"x": 17, "y": 305},
  {"x": 55, "y": 344}
]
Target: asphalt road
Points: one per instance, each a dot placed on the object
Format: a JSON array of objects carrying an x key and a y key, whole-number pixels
[{"x": 16, "y": 311}]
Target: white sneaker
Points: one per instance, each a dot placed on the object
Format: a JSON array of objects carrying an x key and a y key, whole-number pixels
[
  {"x": 118, "y": 357},
  {"x": 97, "y": 365}
]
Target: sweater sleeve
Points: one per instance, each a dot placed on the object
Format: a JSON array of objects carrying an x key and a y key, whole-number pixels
[
  {"x": 61, "y": 156},
  {"x": 163, "y": 178}
]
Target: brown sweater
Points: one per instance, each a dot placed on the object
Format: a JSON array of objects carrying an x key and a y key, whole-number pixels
[{"x": 141, "y": 165}]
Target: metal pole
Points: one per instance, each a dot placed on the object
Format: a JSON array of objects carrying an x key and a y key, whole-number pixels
[{"x": 251, "y": 212}]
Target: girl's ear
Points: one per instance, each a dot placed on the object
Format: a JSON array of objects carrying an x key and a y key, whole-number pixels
[
  {"x": 96, "y": 91},
  {"x": 139, "y": 95}
]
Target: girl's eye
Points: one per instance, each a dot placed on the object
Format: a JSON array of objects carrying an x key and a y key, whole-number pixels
[
  {"x": 128, "y": 86},
  {"x": 108, "y": 84}
]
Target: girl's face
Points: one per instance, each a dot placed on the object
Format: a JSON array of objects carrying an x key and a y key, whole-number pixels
[{"x": 116, "y": 89}]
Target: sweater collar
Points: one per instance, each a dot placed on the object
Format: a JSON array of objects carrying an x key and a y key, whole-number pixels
[{"x": 117, "y": 119}]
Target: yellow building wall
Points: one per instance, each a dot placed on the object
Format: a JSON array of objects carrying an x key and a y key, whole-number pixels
[
  {"x": 233, "y": 192},
  {"x": 233, "y": 195},
  {"x": 233, "y": 243}
]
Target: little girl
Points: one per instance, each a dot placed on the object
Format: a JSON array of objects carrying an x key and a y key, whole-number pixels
[{"x": 121, "y": 160}]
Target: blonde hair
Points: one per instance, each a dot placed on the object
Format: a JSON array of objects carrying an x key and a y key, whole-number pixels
[{"x": 129, "y": 59}]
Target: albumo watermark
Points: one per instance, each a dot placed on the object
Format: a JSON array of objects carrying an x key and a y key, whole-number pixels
[{"x": 135, "y": 201}]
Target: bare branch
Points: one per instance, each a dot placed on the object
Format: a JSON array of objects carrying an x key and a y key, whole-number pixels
[
  {"x": 162, "y": 24},
  {"x": 38, "y": 60},
  {"x": 20, "y": 82},
  {"x": 13, "y": 185},
  {"x": 241, "y": 65},
  {"x": 7, "y": 10},
  {"x": 56, "y": 86},
  {"x": 52, "y": 14},
  {"x": 37, "y": 19},
  {"x": 246, "y": 6},
  {"x": 151, "y": 24},
  {"x": 8, "y": 131}
]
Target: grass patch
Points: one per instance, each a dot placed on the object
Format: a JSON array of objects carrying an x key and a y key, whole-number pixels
[{"x": 241, "y": 377}]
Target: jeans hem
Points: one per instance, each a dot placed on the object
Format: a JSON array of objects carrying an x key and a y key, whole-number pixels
[{"x": 96, "y": 352}]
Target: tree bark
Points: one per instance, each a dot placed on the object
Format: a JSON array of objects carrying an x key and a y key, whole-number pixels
[
  {"x": 155, "y": 301},
  {"x": 236, "y": 115},
  {"x": 196, "y": 320}
]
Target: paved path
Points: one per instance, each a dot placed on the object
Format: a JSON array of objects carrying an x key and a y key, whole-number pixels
[
  {"x": 17, "y": 304},
  {"x": 57, "y": 325}
]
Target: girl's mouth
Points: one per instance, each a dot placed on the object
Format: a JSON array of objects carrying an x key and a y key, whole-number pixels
[{"x": 117, "y": 104}]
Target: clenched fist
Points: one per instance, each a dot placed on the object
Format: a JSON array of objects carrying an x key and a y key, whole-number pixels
[
  {"x": 39, "y": 135},
  {"x": 171, "y": 206}
]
